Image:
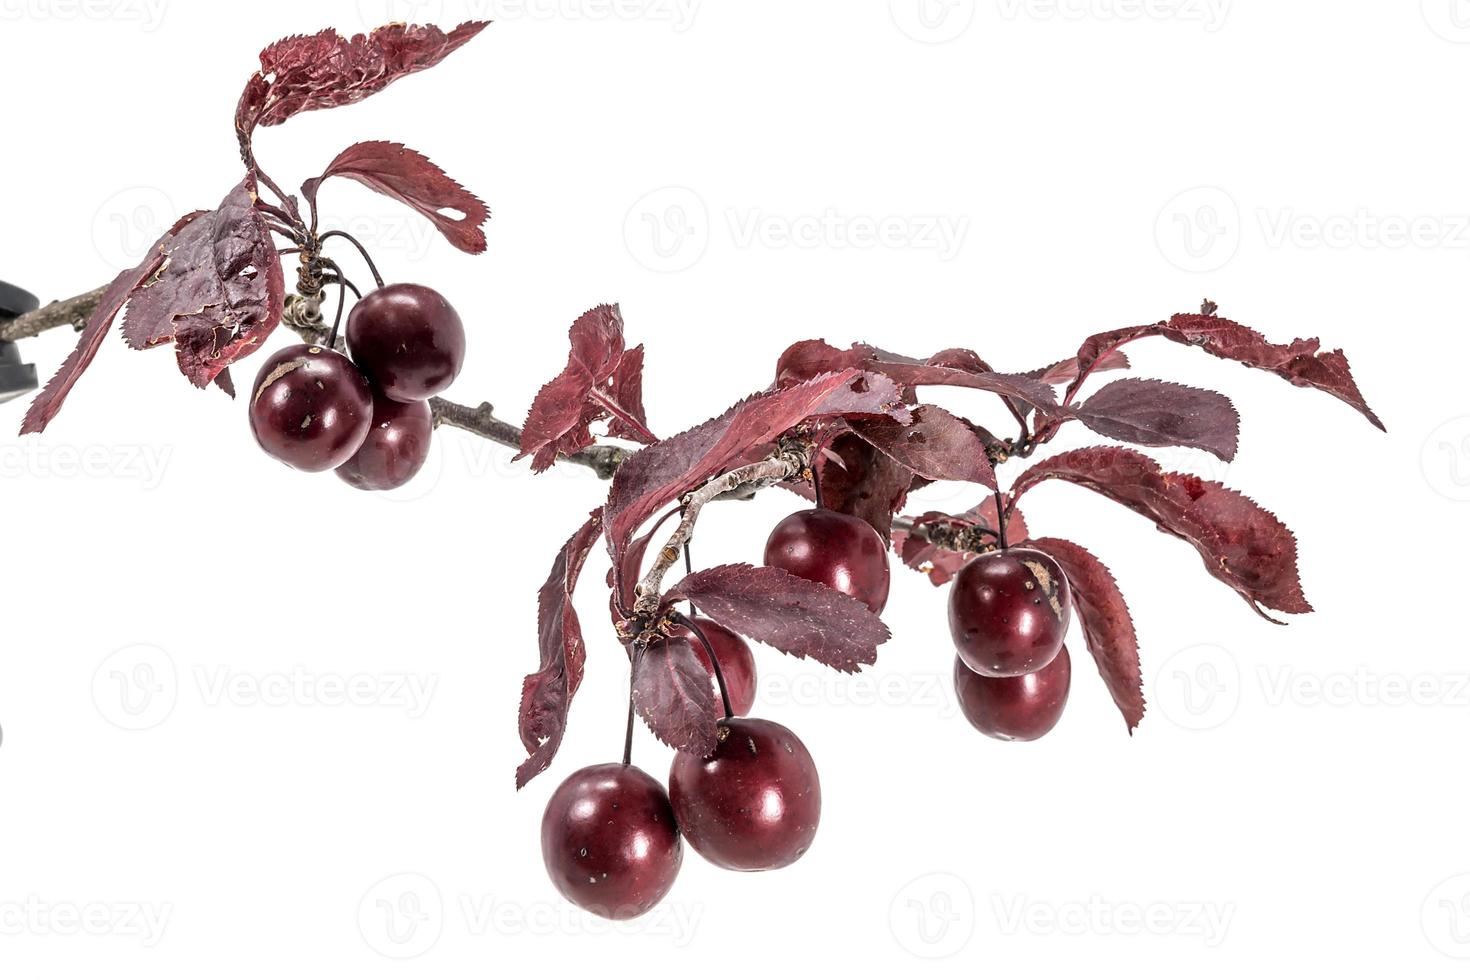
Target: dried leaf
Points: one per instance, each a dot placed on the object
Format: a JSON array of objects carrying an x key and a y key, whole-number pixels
[
  {"x": 1160, "y": 413},
  {"x": 794, "y": 615},
  {"x": 1106, "y": 623},
  {"x": 546, "y": 694},
  {"x": 219, "y": 294},
  {"x": 319, "y": 71},
  {"x": 46, "y": 404},
  {"x": 1242, "y": 544},
  {"x": 411, "y": 178}
]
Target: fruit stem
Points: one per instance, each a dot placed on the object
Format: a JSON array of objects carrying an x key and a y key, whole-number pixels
[
  {"x": 337, "y": 320},
  {"x": 1000, "y": 520},
  {"x": 709, "y": 649},
  {"x": 372, "y": 267},
  {"x": 628, "y": 733}
]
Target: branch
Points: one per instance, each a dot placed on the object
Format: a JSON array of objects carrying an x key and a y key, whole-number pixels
[
  {"x": 304, "y": 317},
  {"x": 62, "y": 313},
  {"x": 785, "y": 465},
  {"x": 962, "y": 537}
]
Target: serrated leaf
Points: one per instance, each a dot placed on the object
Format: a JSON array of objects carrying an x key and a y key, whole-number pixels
[
  {"x": 935, "y": 444},
  {"x": 1302, "y": 362},
  {"x": 1242, "y": 544},
  {"x": 660, "y": 474},
  {"x": 673, "y": 695},
  {"x": 411, "y": 178},
  {"x": 626, "y": 389},
  {"x": 858, "y": 479},
  {"x": 952, "y": 368},
  {"x": 319, "y": 71},
  {"x": 796, "y": 616},
  {"x": 219, "y": 293},
  {"x": 546, "y": 694},
  {"x": 46, "y": 404},
  {"x": 585, "y": 391},
  {"x": 1065, "y": 371},
  {"x": 1161, "y": 413},
  {"x": 1106, "y": 623}
]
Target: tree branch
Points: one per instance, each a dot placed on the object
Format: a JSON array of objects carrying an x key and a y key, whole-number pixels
[
  {"x": 304, "y": 317},
  {"x": 62, "y": 313},
  {"x": 783, "y": 466}
]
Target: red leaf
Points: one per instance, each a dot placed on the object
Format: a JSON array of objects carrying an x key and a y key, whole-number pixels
[
  {"x": 802, "y": 618},
  {"x": 1106, "y": 623},
  {"x": 1065, "y": 372},
  {"x": 1160, "y": 413},
  {"x": 672, "y": 693},
  {"x": 861, "y": 481},
  {"x": 1242, "y": 544},
  {"x": 411, "y": 178},
  {"x": 660, "y": 474},
  {"x": 935, "y": 445},
  {"x": 1301, "y": 362},
  {"x": 960, "y": 369},
  {"x": 941, "y": 564},
  {"x": 626, "y": 390},
  {"x": 585, "y": 391},
  {"x": 45, "y": 405},
  {"x": 546, "y": 694},
  {"x": 220, "y": 291},
  {"x": 301, "y": 73}
]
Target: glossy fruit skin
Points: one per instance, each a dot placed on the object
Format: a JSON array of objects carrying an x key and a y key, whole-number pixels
[
  {"x": 1015, "y": 709},
  {"x": 396, "y": 446},
  {"x": 1008, "y": 612},
  {"x": 407, "y": 339},
  {"x": 310, "y": 408},
  {"x": 610, "y": 842},
  {"x": 838, "y": 550},
  {"x": 737, "y": 663},
  {"x": 754, "y": 804}
]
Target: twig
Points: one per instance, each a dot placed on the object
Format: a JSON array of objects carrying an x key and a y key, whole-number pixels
[
  {"x": 62, "y": 313},
  {"x": 602, "y": 459},
  {"x": 772, "y": 470},
  {"x": 963, "y": 537}
]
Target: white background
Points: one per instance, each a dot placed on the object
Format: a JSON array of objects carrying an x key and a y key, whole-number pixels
[{"x": 177, "y": 606}]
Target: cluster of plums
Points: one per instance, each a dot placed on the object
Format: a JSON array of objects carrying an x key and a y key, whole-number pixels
[
  {"x": 367, "y": 416},
  {"x": 1008, "y": 613},
  {"x": 612, "y": 837}
]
